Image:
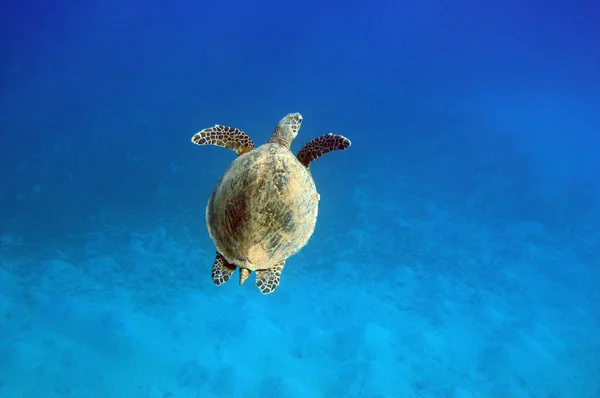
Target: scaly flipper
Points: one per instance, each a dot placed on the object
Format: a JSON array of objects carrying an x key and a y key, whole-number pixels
[
  {"x": 226, "y": 137},
  {"x": 320, "y": 146},
  {"x": 221, "y": 270},
  {"x": 267, "y": 280}
]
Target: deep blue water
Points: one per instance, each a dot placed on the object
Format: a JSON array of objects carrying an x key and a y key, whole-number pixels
[{"x": 457, "y": 248}]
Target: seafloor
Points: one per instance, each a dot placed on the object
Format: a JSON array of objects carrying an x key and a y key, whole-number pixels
[{"x": 407, "y": 289}]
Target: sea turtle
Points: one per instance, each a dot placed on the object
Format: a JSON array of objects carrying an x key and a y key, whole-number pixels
[{"x": 264, "y": 207}]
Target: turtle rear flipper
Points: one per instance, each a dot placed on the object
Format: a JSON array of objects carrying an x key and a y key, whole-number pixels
[
  {"x": 226, "y": 137},
  {"x": 319, "y": 146},
  {"x": 267, "y": 280},
  {"x": 221, "y": 270}
]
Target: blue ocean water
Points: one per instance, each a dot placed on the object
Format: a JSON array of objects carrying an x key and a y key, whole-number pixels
[{"x": 457, "y": 247}]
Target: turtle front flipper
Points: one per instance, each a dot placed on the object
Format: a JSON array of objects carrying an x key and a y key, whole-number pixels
[
  {"x": 226, "y": 137},
  {"x": 221, "y": 270},
  {"x": 320, "y": 146},
  {"x": 267, "y": 280}
]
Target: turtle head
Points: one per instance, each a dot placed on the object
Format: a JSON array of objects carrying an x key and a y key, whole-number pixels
[{"x": 287, "y": 130}]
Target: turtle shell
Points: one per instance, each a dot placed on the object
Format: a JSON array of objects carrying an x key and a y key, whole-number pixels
[{"x": 263, "y": 209}]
